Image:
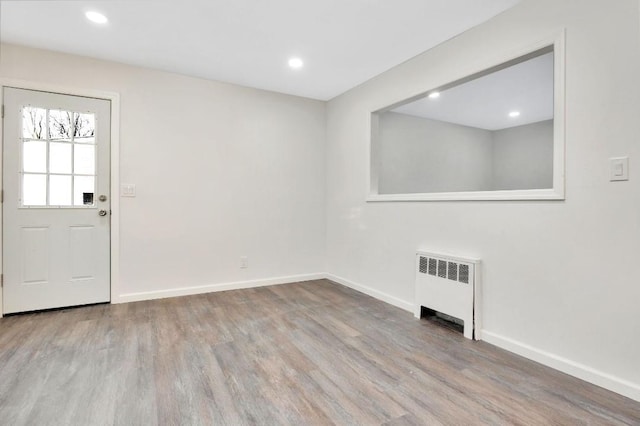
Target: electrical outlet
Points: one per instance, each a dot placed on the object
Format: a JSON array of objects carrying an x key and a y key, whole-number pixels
[{"x": 244, "y": 262}]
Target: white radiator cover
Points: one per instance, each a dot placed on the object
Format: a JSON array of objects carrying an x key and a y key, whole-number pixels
[{"x": 449, "y": 284}]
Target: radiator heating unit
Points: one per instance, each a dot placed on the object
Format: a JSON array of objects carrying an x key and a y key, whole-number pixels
[{"x": 449, "y": 285}]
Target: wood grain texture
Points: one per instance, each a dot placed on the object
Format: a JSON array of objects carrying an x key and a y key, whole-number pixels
[{"x": 304, "y": 353}]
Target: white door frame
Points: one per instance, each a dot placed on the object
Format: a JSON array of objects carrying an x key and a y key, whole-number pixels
[{"x": 114, "y": 172}]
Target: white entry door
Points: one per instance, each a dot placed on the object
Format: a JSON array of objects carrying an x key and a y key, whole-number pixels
[{"x": 56, "y": 210}]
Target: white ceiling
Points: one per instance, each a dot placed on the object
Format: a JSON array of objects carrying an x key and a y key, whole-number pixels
[
  {"x": 248, "y": 42},
  {"x": 486, "y": 102}
]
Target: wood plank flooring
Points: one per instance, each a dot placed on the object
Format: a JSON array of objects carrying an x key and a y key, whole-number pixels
[{"x": 302, "y": 354}]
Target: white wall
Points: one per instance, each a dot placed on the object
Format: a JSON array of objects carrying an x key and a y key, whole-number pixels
[
  {"x": 559, "y": 276},
  {"x": 221, "y": 171},
  {"x": 417, "y": 154},
  {"x": 523, "y": 156},
  {"x": 423, "y": 155}
]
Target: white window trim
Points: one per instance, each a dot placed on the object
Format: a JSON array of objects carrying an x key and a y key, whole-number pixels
[{"x": 557, "y": 192}]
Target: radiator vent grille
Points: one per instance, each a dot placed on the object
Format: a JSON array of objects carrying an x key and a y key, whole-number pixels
[
  {"x": 444, "y": 269},
  {"x": 452, "y": 273},
  {"x": 423, "y": 265},
  {"x": 464, "y": 274},
  {"x": 433, "y": 266}
]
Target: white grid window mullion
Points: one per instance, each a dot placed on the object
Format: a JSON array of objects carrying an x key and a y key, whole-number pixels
[
  {"x": 73, "y": 163},
  {"x": 47, "y": 173},
  {"x": 48, "y": 141}
]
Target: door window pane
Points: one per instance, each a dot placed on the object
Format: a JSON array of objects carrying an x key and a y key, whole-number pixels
[
  {"x": 59, "y": 157},
  {"x": 60, "y": 124},
  {"x": 34, "y": 157},
  {"x": 34, "y": 123},
  {"x": 84, "y": 128},
  {"x": 84, "y": 162},
  {"x": 83, "y": 186},
  {"x": 34, "y": 190},
  {"x": 59, "y": 190}
]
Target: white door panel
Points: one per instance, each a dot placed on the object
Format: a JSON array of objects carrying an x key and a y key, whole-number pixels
[
  {"x": 55, "y": 167},
  {"x": 34, "y": 254}
]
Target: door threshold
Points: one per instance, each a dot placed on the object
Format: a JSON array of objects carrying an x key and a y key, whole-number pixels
[{"x": 64, "y": 308}]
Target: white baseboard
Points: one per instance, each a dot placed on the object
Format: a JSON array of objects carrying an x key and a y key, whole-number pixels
[
  {"x": 583, "y": 372},
  {"x": 392, "y": 300},
  {"x": 210, "y": 288}
]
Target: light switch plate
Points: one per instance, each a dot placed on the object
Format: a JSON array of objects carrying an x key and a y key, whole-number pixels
[
  {"x": 127, "y": 190},
  {"x": 618, "y": 168}
]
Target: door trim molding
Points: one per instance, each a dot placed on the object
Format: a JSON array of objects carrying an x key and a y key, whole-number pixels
[{"x": 114, "y": 97}]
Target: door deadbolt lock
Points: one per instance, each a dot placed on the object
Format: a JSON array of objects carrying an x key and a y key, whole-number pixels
[
  {"x": 102, "y": 198},
  {"x": 102, "y": 213}
]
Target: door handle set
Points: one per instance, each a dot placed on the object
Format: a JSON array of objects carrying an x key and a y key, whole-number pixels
[{"x": 102, "y": 212}]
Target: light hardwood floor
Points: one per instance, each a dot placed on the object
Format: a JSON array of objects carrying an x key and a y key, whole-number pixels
[{"x": 304, "y": 353}]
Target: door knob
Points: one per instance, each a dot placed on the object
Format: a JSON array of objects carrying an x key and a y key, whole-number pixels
[
  {"x": 102, "y": 213},
  {"x": 102, "y": 198}
]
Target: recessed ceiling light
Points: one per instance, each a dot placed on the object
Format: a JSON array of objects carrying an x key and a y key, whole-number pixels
[
  {"x": 96, "y": 17},
  {"x": 296, "y": 63},
  {"x": 514, "y": 114},
  {"x": 434, "y": 95}
]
